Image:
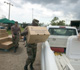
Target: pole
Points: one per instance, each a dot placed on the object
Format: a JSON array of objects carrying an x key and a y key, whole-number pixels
[
  {"x": 9, "y": 12},
  {"x": 32, "y": 13},
  {"x": 9, "y": 8}
]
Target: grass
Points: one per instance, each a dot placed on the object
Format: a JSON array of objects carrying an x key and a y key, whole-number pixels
[
  {"x": 9, "y": 31},
  {"x": 22, "y": 29}
]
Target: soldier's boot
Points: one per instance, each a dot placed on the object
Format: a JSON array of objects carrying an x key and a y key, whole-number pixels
[
  {"x": 14, "y": 49},
  {"x": 17, "y": 47},
  {"x": 25, "y": 67},
  {"x": 31, "y": 67}
]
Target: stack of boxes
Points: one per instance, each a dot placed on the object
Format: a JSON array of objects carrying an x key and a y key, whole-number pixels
[
  {"x": 3, "y": 33},
  {"x": 5, "y": 40}
]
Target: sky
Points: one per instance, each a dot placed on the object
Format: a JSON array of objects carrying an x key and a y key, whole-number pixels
[{"x": 43, "y": 10}]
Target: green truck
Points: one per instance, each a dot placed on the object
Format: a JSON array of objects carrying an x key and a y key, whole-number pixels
[{"x": 75, "y": 23}]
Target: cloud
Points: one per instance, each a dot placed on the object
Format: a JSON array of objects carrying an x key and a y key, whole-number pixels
[
  {"x": 76, "y": 10},
  {"x": 39, "y": 1},
  {"x": 45, "y": 2},
  {"x": 44, "y": 10},
  {"x": 17, "y": 3},
  {"x": 67, "y": 6},
  {"x": 73, "y": 1},
  {"x": 25, "y": 13}
]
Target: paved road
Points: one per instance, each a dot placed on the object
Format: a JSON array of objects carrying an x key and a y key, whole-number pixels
[{"x": 16, "y": 61}]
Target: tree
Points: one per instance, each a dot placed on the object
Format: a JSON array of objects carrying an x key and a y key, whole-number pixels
[
  {"x": 56, "y": 21},
  {"x": 41, "y": 24},
  {"x": 61, "y": 22}
]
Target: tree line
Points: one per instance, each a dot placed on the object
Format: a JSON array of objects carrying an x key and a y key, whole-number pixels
[{"x": 54, "y": 22}]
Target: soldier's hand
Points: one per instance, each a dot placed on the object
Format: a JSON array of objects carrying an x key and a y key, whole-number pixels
[
  {"x": 24, "y": 33},
  {"x": 79, "y": 36},
  {"x": 13, "y": 35}
]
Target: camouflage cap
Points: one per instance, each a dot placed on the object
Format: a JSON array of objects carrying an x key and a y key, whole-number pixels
[
  {"x": 35, "y": 22},
  {"x": 16, "y": 22}
]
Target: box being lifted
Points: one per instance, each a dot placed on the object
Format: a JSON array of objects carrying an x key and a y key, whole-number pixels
[{"x": 37, "y": 34}]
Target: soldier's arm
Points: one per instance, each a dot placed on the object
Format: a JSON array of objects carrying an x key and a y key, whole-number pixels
[
  {"x": 25, "y": 32},
  {"x": 12, "y": 31}
]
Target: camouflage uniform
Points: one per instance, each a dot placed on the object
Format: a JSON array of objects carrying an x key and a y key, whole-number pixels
[
  {"x": 15, "y": 40},
  {"x": 15, "y": 31},
  {"x": 31, "y": 49}
]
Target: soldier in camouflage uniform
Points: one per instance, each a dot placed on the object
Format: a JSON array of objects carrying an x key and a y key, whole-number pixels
[
  {"x": 31, "y": 49},
  {"x": 15, "y": 29}
]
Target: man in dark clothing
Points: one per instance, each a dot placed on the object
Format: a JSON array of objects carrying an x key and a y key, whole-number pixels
[
  {"x": 15, "y": 29},
  {"x": 31, "y": 48}
]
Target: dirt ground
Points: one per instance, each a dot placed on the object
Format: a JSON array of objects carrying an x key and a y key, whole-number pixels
[{"x": 16, "y": 61}]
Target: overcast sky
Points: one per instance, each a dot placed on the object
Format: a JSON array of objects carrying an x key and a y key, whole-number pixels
[{"x": 44, "y": 10}]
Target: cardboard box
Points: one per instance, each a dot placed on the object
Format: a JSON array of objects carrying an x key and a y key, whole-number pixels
[
  {"x": 5, "y": 39},
  {"x": 3, "y": 35},
  {"x": 37, "y": 34},
  {"x": 3, "y": 31},
  {"x": 6, "y": 45}
]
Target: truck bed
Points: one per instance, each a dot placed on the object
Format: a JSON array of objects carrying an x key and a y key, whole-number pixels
[
  {"x": 68, "y": 61},
  {"x": 64, "y": 63}
]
